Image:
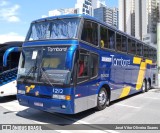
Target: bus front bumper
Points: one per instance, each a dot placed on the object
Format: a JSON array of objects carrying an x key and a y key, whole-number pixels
[{"x": 49, "y": 105}]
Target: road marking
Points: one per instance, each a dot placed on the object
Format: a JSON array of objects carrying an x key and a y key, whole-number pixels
[
  {"x": 152, "y": 98},
  {"x": 89, "y": 124},
  {"x": 129, "y": 106},
  {"x": 112, "y": 131},
  {"x": 15, "y": 108},
  {"x": 38, "y": 122}
]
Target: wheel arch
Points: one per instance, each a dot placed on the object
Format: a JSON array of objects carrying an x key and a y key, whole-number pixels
[{"x": 107, "y": 88}]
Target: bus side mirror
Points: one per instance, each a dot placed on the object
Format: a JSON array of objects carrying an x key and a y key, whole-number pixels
[{"x": 7, "y": 53}]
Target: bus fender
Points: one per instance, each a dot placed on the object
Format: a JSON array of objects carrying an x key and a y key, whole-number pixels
[{"x": 102, "y": 84}]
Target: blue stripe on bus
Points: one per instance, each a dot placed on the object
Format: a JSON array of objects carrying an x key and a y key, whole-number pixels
[{"x": 50, "y": 42}]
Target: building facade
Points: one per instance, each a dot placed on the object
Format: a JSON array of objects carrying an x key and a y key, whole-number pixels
[
  {"x": 100, "y": 13},
  {"x": 62, "y": 11},
  {"x": 139, "y": 18},
  {"x": 84, "y": 7},
  {"x": 115, "y": 17},
  {"x": 108, "y": 15},
  {"x": 87, "y": 6},
  {"x": 98, "y": 3}
]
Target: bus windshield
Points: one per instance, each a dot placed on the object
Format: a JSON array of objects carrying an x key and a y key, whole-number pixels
[
  {"x": 54, "y": 29},
  {"x": 44, "y": 64}
]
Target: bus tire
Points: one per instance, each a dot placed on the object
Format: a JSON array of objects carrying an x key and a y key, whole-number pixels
[
  {"x": 144, "y": 86},
  {"x": 149, "y": 84},
  {"x": 102, "y": 99}
]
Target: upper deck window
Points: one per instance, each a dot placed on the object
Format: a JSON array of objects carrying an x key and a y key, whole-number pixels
[
  {"x": 146, "y": 51},
  {"x": 107, "y": 38},
  {"x": 119, "y": 42},
  {"x": 103, "y": 33},
  {"x": 140, "y": 49},
  {"x": 124, "y": 43},
  {"x": 55, "y": 29},
  {"x": 131, "y": 46},
  {"x": 90, "y": 32}
]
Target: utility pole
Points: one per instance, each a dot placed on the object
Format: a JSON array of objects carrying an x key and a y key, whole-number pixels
[{"x": 158, "y": 52}]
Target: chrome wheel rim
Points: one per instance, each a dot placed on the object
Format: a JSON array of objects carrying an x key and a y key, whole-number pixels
[
  {"x": 102, "y": 98},
  {"x": 143, "y": 86}
]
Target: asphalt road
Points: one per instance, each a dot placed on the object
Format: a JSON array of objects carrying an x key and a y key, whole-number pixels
[{"x": 142, "y": 108}]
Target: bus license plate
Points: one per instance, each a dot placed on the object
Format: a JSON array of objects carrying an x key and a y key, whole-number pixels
[{"x": 38, "y": 104}]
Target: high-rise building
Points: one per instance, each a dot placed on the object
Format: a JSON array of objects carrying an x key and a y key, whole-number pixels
[
  {"x": 87, "y": 6},
  {"x": 115, "y": 17},
  {"x": 62, "y": 11},
  {"x": 108, "y": 15},
  {"x": 139, "y": 18},
  {"x": 84, "y": 7},
  {"x": 100, "y": 13},
  {"x": 98, "y": 3}
]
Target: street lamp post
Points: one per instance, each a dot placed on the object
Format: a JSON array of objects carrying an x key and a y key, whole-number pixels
[{"x": 158, "y": 52}]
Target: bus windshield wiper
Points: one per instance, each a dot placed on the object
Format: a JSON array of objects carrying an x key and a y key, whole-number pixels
[
  {"x": 45, "y": 75},
  {"x": 32, "y": 69}
]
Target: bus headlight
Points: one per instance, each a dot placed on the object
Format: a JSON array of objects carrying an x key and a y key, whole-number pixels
[
  {"x": 21, "y": 92},
  {"x": 63, "y": 97}
]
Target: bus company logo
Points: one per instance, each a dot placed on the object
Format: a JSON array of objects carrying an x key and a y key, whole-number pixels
[
  {"x": 57, "y": 49},
  {"x": 119, "y": 61},
  {"x": 29, "y": 88},
  {"x": 106, "y": 59}
]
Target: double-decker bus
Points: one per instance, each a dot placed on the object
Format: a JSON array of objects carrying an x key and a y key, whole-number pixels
[
  {"x": 8, "y": 73},
  {"x": 72, "y": 63}
]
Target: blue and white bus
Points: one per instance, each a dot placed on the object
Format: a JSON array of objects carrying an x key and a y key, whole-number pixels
[
  {"x": 8, "y": 73},
  {"x": 72, "y": 63}
]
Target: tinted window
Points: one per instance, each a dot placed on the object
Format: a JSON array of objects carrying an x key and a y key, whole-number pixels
[
  {"x": 94, "y": 65},
  {"x": 56, "y": 29},
  {"x": 111, "y": 39},
  {"x": 139, "y": 49},
  {"x": 103, "y": 33},
  {"x": 150, "y": 53},
  {"x": 83, "y": 65},
  {"x": 131, "y": 47},
  {"x": 119, "y": 42},
  {"x": 146, "y": 54},
  {"x": 90, "y": 32},
  {"x": 155, "y": 54},
  {"x": 124, "y": 44}
]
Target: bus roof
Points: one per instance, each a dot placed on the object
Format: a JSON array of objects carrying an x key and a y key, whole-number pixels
[
  {"x": 12, "y": 43},
  {"x": 90, "y": 18}
]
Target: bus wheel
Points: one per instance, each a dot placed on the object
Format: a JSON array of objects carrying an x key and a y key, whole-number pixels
[
  {"x": 102, "y": 100},
  {"x": 144, "y": 86}
]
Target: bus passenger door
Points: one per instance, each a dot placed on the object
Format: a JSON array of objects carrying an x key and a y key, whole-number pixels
[{"x": 82, "y": 76}]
